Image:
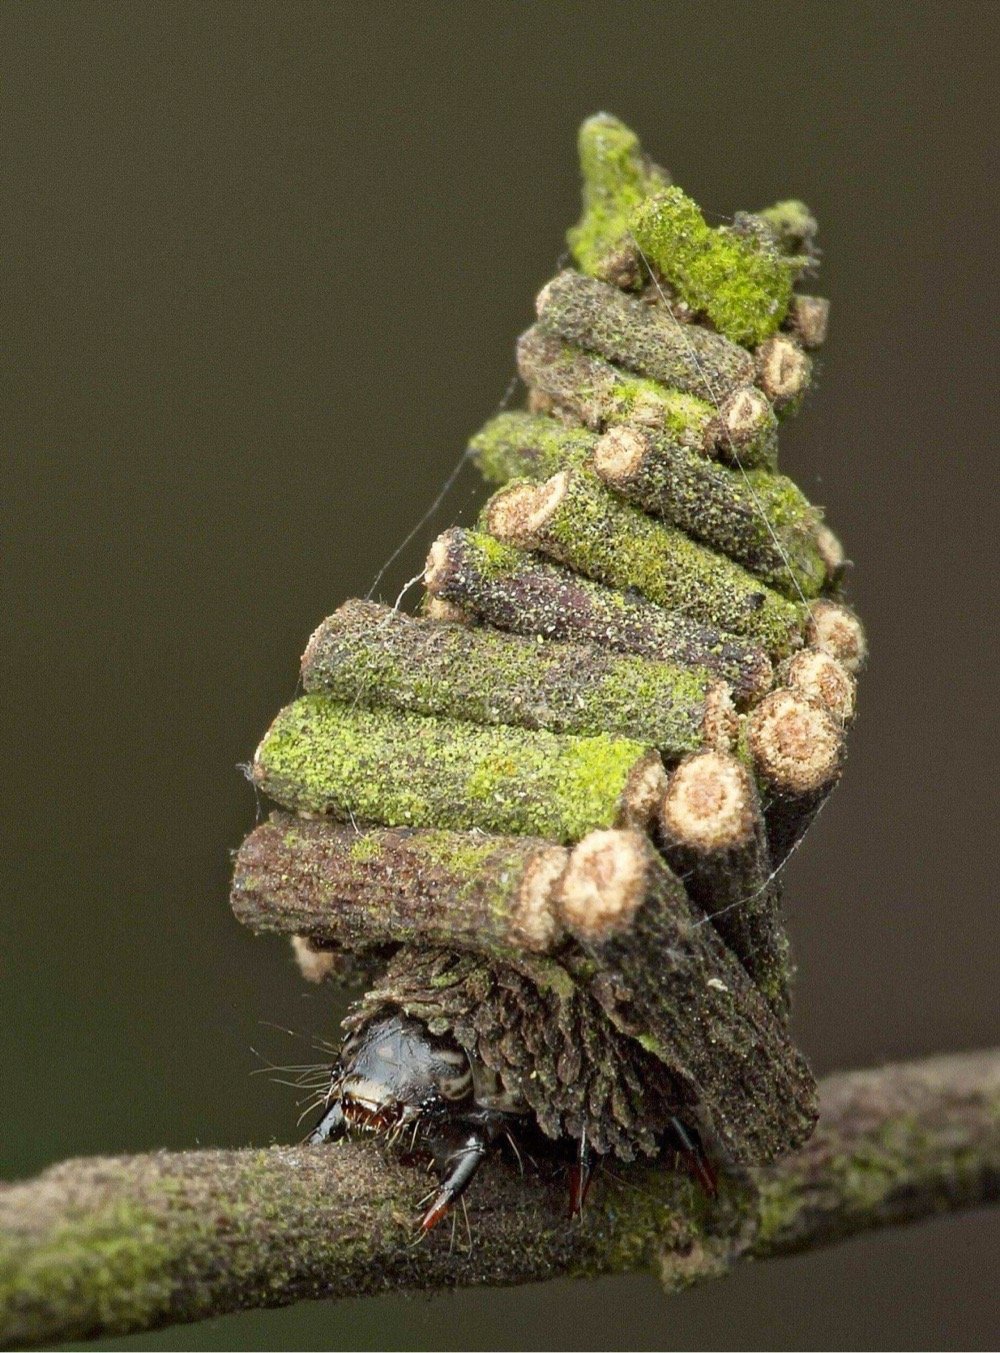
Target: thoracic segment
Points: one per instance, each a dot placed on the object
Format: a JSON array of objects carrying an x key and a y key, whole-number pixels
[{"x": 547, "y": 786}]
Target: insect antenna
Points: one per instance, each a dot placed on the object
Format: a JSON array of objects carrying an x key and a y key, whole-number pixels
[{"x": 520, "y": 1163}]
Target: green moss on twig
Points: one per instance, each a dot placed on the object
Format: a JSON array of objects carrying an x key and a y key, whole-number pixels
[
  {"x": 400, "y": 769},
  {"x": 370, "y": 655},
  {"x": 516, "y": 591},
  {"x": 573, "y": 518},
  {"x": 739, "y": 280},
  {"x": 599, "y": 395},
  {"x": 617, "y": 176}
]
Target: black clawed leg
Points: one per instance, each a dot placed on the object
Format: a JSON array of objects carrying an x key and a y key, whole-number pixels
[
  {"x": 580, "y": 1175},
  {"x": 693, "y": 1155},
  {"x": 460, "y": 1166},
  {"x": 330, "y": 1127}
]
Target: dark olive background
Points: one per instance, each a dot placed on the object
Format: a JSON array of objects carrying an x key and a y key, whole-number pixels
[{"x": 268, "y": 262}]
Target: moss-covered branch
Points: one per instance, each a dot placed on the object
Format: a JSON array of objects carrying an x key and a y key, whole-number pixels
[
  {"x": 370, "y": 655},
  {"x": 593, "y": 391},
  {"x": 512, "y": 590},
  {"x": 761, "y": 520},
  {"x": 111, "y": 1246},
  {"x": 363, "y": 890},
  {"x": 575, "y": 520},
  {"x": 364, "y": 766},
  {"x": 643, "y": 338}
]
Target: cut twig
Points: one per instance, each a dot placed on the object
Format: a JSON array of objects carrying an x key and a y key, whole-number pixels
[
  {"x": 400, "y": 769},
  {"x": 390, "y": 885},
  {"x": 694, "y": 1007},
  {"x": 371, "y": 655},
  {"x": 808, "y": 320},
  {"x": 617, "y": 175},
  {"x": 837, "y": 630},
  {"x": 738, "y": 278},
  {"x": 642, "y": 338},
  {"x": 755, "y": 517},
  {"x": 591, "y": 390},
  {"x": 783, "y": 372},
  {"x": 759, "y": 519},
  {"x": 744, "y": 432},
  {"x": 712, "y": 832},
  {"x": 798, "y": 753},
  {"x": 822, "y": 678},
  {"x": 514, "y": 591},
  {"x": 575, "y": 520}
]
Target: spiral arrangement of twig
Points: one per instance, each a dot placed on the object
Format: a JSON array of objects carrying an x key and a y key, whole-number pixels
[{"x": 552, "y": 809}]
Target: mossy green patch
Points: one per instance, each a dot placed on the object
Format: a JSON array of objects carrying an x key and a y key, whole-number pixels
[
  {"x": 492, "y": 557},
  {"x": 596, "y": 533},
  {"x": 517, "y": 443},
  {"x": 404, "y": 770},
  {"x": 739, "y": 280},
  {"x": 365, "y": 849},
  {"x": 881, "y": 1166},
  {"x": 641, "y": 400},
  {"x": 455, "y": 852},
  {"x": 617, "y": 177},
  {"x": 108, "y": 1271}
]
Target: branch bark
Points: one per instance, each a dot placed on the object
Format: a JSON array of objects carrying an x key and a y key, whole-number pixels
[{"x": 110, "y": 1246}]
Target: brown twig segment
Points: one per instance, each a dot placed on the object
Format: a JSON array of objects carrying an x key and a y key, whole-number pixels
[
  {"x": 574, "y": 519},
  {"x": 695, "y": 1007},
  {"x": 382, "y": 766},
  {"x": 759, "y": 519},
  {"x": 744, "y": 432},
  {"x": 370, "y": 655},
  {"x": 783, "y": 372},
  {"x": 514, "y": 591},
  {"x": 823, "y": 679},
  {"x": 391, "y": 885},
  {"x": 797, "y": 749},
  {"x": 809, "y": 319},
  {"x": 119, "y": 1245},
  {"x": 590, "y": 390},
  {"x": 643, "y": 338},
  {"x": 712, "y": 833},
  {"x": 837, "y": 630}
]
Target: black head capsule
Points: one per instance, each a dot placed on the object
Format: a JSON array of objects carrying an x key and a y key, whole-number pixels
[{"x": 393, "y": 1074}]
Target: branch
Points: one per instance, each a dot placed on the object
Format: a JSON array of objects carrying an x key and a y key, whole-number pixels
[{"x": 110, "y": 1246}]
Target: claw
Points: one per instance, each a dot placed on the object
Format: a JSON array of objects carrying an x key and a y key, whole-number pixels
[
  {"x": 696, "y": 1162},
  {"x": 580, "y": 1176},
  {"x": 438, "y": 1210},
  {"x": 330, "y": 1127}
]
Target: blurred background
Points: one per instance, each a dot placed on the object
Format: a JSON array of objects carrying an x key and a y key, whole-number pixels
[{"x": 267, "y": 264}]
